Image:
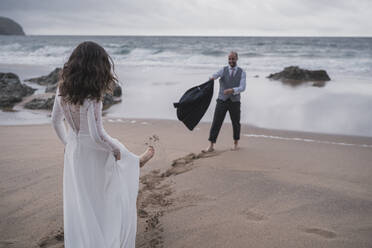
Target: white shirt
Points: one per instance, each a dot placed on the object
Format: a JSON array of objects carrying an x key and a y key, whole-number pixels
[{"x": 242, "y": 83}]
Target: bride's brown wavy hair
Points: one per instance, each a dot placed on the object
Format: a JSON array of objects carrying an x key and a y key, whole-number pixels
[{"x": 88, "y": 73}]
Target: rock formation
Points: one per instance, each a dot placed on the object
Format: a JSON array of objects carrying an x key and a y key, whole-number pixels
[
  {"x": 12, "y": 90},
  {"x": 10, "y": 27},
  {"x": 294, "y": 75},
  {"x": 51, "y": 81},
  {"x": 41, "y": 103}
]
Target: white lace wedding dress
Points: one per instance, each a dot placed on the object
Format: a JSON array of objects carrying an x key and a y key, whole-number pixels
[{"x": 99, "y": 193}]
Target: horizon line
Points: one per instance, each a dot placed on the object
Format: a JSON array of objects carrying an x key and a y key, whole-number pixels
[{"x": 214, "y": 36}]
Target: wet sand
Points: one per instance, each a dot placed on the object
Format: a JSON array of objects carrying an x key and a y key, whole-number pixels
[{"x": 281, "y": 189}]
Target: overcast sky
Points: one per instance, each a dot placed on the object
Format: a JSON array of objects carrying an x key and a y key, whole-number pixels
[{"x": 192, "y": 17}]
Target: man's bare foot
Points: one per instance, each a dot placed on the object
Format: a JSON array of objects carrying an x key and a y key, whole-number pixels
[
  {"x": 209, "y": 148},
  {"x": 235, "y": 147},
  {"x": 147, "y": 155}
]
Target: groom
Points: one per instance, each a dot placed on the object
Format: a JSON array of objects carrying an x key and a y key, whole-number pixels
[{"x": 232, "y": 83}]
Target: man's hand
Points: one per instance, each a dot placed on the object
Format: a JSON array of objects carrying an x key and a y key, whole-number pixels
[
  {"x": 212, "y": 78},
  {"x": 228, "y": 91}
]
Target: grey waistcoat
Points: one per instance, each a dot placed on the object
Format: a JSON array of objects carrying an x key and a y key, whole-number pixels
[{"x": 226, "y": 82}]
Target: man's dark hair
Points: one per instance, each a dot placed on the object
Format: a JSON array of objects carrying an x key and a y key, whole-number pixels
[{"x": 235, "y": 53}]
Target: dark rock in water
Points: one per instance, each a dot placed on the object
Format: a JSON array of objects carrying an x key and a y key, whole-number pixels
[
  {"x": 50, "y": 79},
  {"x": 109, "y": 100},
  {"x": 9, "y": 101},
  {"x": 9, "y": 78},
  {"x": 10, "y": 27},
  {"x": 294, "y": 75},
  {"x": 12, "y": 90},
  {"x": 117, "y": 90},
  {"x": 319, "y": 83},
  {"x": 51, "y": 88},
  {"x": 51, "y": 82},
  {"x": 47, "y": 103},
  {"x": 41, "y": 103}
]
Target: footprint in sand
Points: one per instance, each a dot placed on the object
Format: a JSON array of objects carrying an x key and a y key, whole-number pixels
[
  {"x": 7, "y": 243},
  {"x": 321, "y": 232},
  {"x": 55, "y": 239},
  {"x": 184, "y": 164},
  {"x": 253, "y": 216},
  {"x": 153, "y": 232}
]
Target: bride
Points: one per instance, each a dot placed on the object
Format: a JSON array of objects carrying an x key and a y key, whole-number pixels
[{"x": 101, "y": 177}]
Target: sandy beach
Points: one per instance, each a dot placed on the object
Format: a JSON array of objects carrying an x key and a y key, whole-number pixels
[
  {"x": 281, "y": 189},
  {"x": 301, "y": 177}
]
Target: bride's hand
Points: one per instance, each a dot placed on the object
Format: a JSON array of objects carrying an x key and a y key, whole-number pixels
[{"x": 117, "y": 154}]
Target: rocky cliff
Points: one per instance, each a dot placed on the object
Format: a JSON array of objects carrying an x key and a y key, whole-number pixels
[{"x": 10, "y": 27}]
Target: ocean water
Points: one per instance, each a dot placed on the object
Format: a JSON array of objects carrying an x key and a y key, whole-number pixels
[
  {"x": 347, "y": 56},
  {"x": 155, "y": 71}
]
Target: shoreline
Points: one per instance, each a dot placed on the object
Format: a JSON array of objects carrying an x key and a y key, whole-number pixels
[
  {"x": 259, "y": 131},
  {"x": 338, "y": 108}
]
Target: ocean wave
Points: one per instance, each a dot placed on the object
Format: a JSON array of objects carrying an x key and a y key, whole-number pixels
[
  {"x": 216, "y": 53},
  {"x": 262, "y": 53},
  {"x": 349, "y": 54},
  {"x": 10, "y": 47},
  {"x": 310, "y": 55},
  {"x": 35, "y": 47},
  {"x": 123, "y": 51},
  {"x": 251, "y": 54},
  {"x": 289, "y": 43},
  {"x": 158, "y": 51}
]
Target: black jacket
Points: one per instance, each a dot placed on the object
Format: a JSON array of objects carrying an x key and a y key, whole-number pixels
[{"x": 194, "y": 103}]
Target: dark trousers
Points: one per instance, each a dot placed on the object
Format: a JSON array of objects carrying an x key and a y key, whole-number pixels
[{"x": 219, "y": 115}]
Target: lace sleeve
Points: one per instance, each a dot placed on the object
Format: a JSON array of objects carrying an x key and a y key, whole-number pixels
[
  {"x": 96, "y": 129},
  {"x": 57, "y": 119}
]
